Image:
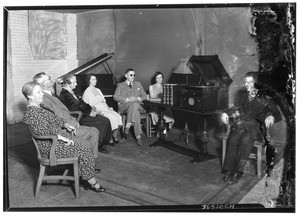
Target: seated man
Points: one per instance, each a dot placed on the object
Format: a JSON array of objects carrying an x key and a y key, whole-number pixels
[
  {"x": 253, "y": 113},
  {"x": 90, "y": 116},
  {"x": 90, "y": 133},
  {"x": 129, "y": 95}
]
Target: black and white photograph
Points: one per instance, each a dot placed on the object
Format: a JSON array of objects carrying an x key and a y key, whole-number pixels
[{"x": 171, "y": 107}]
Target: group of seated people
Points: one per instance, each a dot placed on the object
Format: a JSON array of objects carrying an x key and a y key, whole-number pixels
[{"x": 47, "y": 114}]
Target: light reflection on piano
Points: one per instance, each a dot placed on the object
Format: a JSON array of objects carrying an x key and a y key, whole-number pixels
[{"x": 91, "y": 64}]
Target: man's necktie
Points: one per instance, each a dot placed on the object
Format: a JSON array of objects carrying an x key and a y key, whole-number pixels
[{"x": 130, "y": 85}]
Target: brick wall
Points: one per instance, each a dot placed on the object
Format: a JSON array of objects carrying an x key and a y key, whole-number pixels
[{"x": 24, "y": 66}]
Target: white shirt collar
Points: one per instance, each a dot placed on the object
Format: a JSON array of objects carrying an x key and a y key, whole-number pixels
[
  {"x": 47, "y": 91},
  {"x": 68, "y": 89}
]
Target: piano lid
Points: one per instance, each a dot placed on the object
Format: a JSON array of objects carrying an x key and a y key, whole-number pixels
[
  {"x": 210, "y": 69},
  {"x": 91, "y": 64}
]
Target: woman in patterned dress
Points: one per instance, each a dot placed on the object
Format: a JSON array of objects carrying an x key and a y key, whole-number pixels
[
  {"x": 94, "y": 97},
  {"x": 43, "y": 121}
]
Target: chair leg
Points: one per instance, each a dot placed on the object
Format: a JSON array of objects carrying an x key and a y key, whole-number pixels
[
  {"x": 259, "y": 160},
  {"x": 123, "y": 127},
  {"x": 223, "y": 150},
  {"x": 76, "y": 179},
  {"x": 40, "y": 180},
  {"x": 148, "y": 127}
]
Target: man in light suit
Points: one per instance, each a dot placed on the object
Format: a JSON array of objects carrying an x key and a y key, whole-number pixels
[
  {"x": 129, "y": 95},
  {"x": 88, "y": 133}
]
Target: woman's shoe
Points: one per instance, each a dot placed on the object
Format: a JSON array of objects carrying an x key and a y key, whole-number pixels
[
  {"x": 88, "y": 186},
  {"x": 111, "y": 142},
  {"x": 116, "y": 141}
]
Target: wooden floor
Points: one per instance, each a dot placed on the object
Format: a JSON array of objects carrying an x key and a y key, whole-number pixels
[{"x": 135, "y": 178}]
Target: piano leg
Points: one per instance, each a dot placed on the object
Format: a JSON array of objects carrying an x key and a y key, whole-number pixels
[
  {"x": 196, "y": 155},
  {"x": 204, "y": 139},
  {"x": 161, "y": 126}
]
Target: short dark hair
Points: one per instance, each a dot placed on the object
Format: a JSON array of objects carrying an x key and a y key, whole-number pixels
[
  {"x": 67, "y": 78},
  {"x": 129, "y": 69},
  {"x": 88, "y": 78},
  {"x": 153, "y": 80},
  {"x": 158, "y": 73},
  {"x": 28, "y": 87}
]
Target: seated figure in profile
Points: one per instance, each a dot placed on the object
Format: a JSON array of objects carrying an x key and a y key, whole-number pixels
[
  {"x": 43, "y": 121},
  {"x": 90, "y": 116},
  {"x": 94, "y": 97}
]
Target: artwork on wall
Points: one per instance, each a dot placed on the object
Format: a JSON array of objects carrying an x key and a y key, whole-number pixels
[{"x": 47, "y": 35}]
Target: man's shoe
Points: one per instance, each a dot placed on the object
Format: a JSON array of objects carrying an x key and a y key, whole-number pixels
[
  {"x": 103, "y": 150},
  {"x": 97, "y": 170},
  {"x": 235, "y": 178},
  {"x": 139, "y": 142},
  {"x": 126, "y": 131},
  {"x": 226, "y": 177}
]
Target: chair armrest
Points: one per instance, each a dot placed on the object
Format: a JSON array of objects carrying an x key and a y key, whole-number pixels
[
  {"x": 77, "y": 113},
  {"x": 52, "y": 156}
]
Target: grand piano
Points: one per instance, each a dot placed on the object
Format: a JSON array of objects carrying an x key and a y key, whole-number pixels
[{"x": 106, "y": 82}]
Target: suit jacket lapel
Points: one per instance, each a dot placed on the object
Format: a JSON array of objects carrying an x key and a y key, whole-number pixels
[{"x": 56, "y": 101}]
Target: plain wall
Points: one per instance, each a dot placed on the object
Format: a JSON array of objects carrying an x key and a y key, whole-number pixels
[
  {"x": 150, "y": 40},
  {"x": 147, "y": 40},
  {"x": 23, "y": 64}
]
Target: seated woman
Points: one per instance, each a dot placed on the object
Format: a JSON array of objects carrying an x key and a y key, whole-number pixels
[
  {"x": 94, "y": 97},
  {"x": 155, "y": 93},
  {"x": 43, "y": 121},
  {"x": 90, "y": 117}
]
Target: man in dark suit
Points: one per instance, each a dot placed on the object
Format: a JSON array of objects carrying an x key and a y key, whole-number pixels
[
  {"x": 89, "y": 133},
  {"x": 129, "y": 95},
  {"x": 249, "y": 119},
  {"x": 90, "y": 116}
]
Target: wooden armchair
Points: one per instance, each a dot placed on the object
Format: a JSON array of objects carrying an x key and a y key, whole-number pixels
[{"x": 53, "y": 161}]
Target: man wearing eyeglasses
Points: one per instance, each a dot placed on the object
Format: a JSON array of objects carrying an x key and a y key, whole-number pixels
[
  {"x": 52, "y": 102},
  {"x": 129, "y": 95}
]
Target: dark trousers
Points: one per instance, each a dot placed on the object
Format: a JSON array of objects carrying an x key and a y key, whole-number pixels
[
  {"x": 102, "y": 124},
  {"x": 238, "y": 148}
]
